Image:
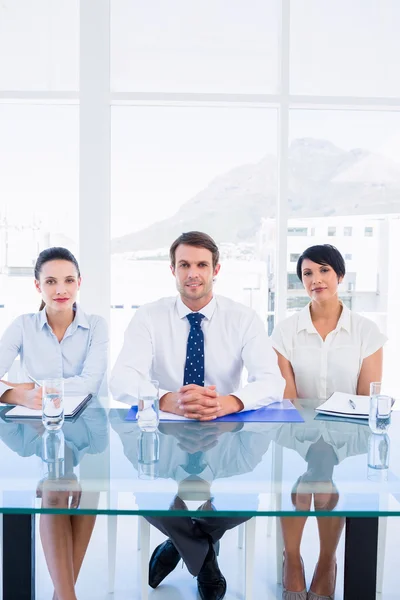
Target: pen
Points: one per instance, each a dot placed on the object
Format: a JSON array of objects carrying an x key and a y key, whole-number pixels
[
  {"x": 352, "y": 404},
  {"x": 34, "y": 380}
]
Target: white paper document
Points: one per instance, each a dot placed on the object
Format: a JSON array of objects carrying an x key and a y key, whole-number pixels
[
  {"x": 345, "y": 405},
  {"x": 166, "y": 416},
  {"x": 72, "y": 405}
]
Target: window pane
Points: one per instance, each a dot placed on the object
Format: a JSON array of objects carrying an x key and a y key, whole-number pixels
[
  {"x": 297, "y": 231},
  {"x": 358, "y": 46},
  {"x": 294, "y": 282},
  {"x": 345, "y": 175},
  {"x": 199, "y": 46},
  {"x": 38, "y": 196},
  {"x": 297, "y": 302},
  {"x": 179, "y": 169},
  {"x": 39, "y": 44}
]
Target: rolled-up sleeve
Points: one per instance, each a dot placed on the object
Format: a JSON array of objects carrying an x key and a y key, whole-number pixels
[
  {"x": 135, "y": 359},
  {"x": 265, "y": 382},
  {"x": 95, "y": 364}
]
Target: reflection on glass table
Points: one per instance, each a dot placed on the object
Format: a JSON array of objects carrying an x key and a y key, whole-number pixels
[
  {"x": 319, "y": 467},
  {"x": 56, "y": 468}
]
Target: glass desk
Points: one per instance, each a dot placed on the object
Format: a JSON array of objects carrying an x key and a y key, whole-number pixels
[{"x": 102, "y": 464}]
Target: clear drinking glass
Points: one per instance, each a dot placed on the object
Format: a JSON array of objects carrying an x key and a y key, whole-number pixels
[
  {"x": 380, "y": 407},
  {"x": 148, "y": 454},
  {"x": 148, "y": 405},
  {"x": 53, "y": 452},
  {"x": 378, "y": 457},
  {"x": 53, "y": 404}
]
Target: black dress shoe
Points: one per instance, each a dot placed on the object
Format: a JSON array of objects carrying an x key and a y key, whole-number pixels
[
  {"x": 162, "y": 562},
  {"x": 210, "y": 581}
]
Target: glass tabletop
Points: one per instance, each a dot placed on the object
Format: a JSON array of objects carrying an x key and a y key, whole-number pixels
[{"x": 101, "y": 463}]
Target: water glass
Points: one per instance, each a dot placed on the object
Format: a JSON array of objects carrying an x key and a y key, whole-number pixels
[
  {"x": 148, "y": 454},
  {"x": 378, "y": 457},
  {"x": 380, "y": 407},
  {"x": 53, "y": 404},
  {"x": 148, "y": 405},
  {"x": 53, "y": 453}
]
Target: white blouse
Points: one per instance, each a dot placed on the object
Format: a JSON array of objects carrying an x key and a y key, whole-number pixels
[{"x": 323, "y": 367}]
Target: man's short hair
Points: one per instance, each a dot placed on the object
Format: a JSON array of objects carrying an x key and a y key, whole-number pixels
[{"x": 198, "y": 239}]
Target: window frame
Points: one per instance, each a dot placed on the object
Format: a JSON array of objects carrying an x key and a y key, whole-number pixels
[{"x": 95, "y": 100}]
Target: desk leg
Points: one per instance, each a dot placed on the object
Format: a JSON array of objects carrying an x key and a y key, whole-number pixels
[
  {"x": 360, "y": 559},
  {"x": 18, "y": 557}
]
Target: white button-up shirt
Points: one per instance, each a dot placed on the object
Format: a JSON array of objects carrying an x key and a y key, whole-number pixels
[
  {"x": 234, "y": 337},
  {"x": 80, "y": 358},
  {"x": 234, "y": 453},
  {"x": 323, "y": 367}
]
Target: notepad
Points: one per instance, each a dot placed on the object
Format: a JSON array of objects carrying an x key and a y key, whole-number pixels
[
  {"x": 340, "y": 405},
  {"x": 72, "y": 405}
]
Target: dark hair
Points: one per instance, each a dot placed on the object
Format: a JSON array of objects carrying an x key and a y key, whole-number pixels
[
  {"x": 324, "y": 254},
  {"x": 55, "y": 253},
  {"x": 198, "y": 239}
]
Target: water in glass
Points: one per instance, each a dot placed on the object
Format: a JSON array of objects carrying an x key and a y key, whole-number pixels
[
  {"x": 148, "y": 454},
  {"x": 148, "y": 406},
  {"x": 378, "y": 457},
  {"x": 53, "y": 404},
  {"x": 380, "y": 408}
]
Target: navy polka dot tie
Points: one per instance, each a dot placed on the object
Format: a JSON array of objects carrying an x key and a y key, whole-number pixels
[{"x": 194, "y": 366}]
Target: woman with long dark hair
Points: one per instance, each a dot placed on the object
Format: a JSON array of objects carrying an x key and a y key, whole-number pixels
[{"x": 59, "y": 341}]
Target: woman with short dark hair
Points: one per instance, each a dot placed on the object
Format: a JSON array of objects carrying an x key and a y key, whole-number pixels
[{"x": 323, "y": 348}]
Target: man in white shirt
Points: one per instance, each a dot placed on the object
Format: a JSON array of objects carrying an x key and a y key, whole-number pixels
[{"x": 196, "y": 346}]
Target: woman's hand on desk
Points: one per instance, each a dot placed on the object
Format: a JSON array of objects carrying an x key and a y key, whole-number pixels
[
  {"x": 22, "y": 386},
  {"x": 31, "y": 398}
]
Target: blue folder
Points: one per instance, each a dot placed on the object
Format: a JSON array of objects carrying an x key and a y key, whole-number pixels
[{"x": 279, "y": 412}]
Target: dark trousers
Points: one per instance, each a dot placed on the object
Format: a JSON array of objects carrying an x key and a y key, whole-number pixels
[{"x": 191, "y": 535}]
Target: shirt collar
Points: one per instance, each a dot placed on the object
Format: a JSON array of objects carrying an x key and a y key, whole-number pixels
[
  {"x": 184, "y": 310},
  {"x": 80, "y": 319},
  {"x": 305, "y": 322}
]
